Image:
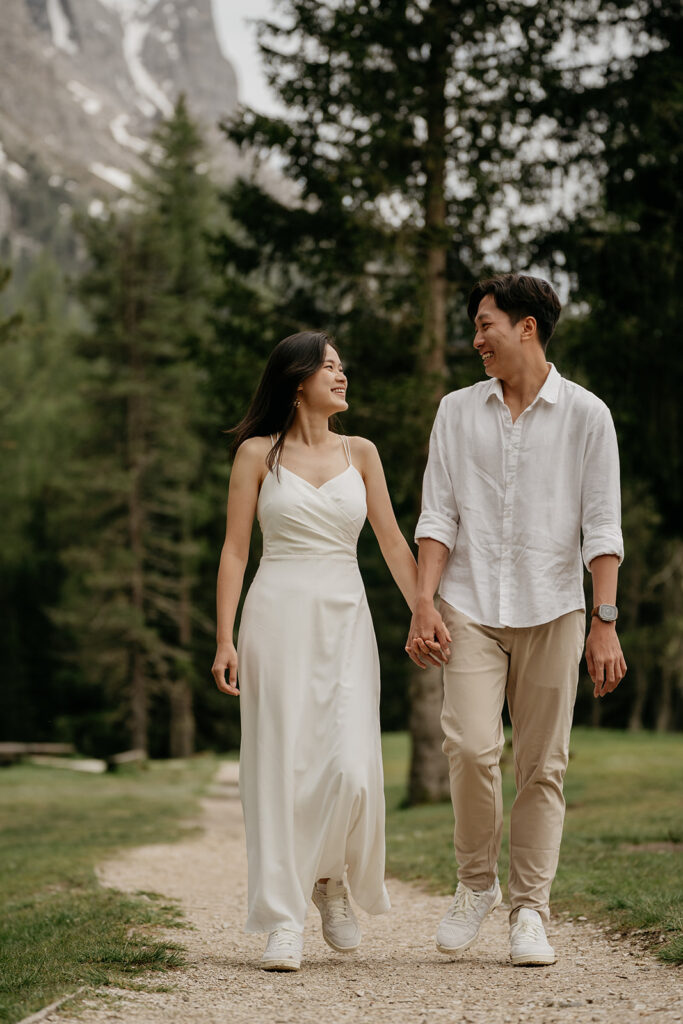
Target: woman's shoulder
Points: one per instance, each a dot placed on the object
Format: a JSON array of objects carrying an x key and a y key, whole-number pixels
[
  {"x": 256, "y": 444},
  {"x": 253, "y": 450},
  {"x": 362, "y": 448},
  {"x": 361, "y": 444}
]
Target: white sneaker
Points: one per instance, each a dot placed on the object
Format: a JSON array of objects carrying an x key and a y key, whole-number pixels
[
  {"x": 460, "y": 926},
  {"x": 528, "y": 944},
  {"x": 283, "y": 951},
  {"x": 341, "y": 930}
]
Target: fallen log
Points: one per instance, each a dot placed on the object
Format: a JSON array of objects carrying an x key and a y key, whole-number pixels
[
  {"x": 11, "y": 752},
  {"x": 115, "y": 761},
  {"x": 91, "y": 765}
]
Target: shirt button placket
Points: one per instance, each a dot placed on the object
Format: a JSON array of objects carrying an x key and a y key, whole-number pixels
[{"x": 512, "y": 458}]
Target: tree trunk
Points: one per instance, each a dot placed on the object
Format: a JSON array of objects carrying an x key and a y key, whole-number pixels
[
  {"x": 672, "y": 648},
  {"x": 596, "y": 712},
  {"x": 665, "y": 710},
  {"x": 181, "y": 737},
  {"x": 639, "y": 679},
  {"x": 135, "y": 441},
  {"x": 182, "y": 727},
  {"x": 138, "y": 689},
  {"x": 428, "y": 782},
  {"x": 428, "y": 779},
  {"x": 138, "y": 703},
  {"x": 635, "y": 720}
]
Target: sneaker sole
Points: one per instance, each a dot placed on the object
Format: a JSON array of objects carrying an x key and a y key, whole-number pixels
[
  {"x": 341, "y": 949},
  {"x": 337, "y": 949},
  {"x": 453, "y": 950},
  {"x": 533, "y": 961},
  {"x": 280, "y": 965}
]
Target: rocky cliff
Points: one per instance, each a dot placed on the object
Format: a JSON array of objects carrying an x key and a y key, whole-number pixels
[{"x": 82, "y": 85}]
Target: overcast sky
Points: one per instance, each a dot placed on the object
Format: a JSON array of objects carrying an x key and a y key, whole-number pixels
[{"x": 238, "y": 42}]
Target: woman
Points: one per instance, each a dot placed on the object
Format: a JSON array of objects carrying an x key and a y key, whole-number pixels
[{"x": 310, "y": 763}]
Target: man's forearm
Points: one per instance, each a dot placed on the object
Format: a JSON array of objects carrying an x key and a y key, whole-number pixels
[
  {"x": 604, "y": 656},
  {"x": 431, "y": 563},
  {"x": 428, "y": 639},
  {"x": 604, "y": 571}
]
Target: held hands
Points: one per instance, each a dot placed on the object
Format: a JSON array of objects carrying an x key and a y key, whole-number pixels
[
  {"x": 604, "y": 658},
  {"x": 428, "y": 640},
  {"x": 226, "y": 661}
]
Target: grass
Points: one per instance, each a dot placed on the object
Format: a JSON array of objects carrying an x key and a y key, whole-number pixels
[
  {"x": 60, "y": 930},
  {"x": 619, "y": 861}
]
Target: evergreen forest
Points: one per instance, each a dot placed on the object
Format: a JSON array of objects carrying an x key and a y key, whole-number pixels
[{"x": 422, "y": 145}]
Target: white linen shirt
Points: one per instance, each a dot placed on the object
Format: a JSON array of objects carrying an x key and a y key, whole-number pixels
[{"x": 510, "y": 500}]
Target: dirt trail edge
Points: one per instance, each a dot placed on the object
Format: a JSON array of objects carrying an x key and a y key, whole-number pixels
[{"x": 397, "y": 976}]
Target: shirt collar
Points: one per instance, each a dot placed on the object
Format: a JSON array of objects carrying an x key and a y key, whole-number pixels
[
  {"x": 494, "y": 387},
  {"x": 549, "y": 392},
  {"x": 551, "y": 386}
]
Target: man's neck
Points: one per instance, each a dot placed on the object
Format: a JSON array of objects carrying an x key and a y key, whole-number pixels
[{"x": 520, "y": 389}]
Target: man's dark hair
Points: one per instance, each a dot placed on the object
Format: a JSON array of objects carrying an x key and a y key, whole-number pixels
[{"x": 520, "y": 295}]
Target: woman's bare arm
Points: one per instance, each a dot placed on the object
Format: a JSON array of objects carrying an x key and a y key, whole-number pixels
[
  {"x": 245, "y": 480},
  {"x": 393, "y": 545}
]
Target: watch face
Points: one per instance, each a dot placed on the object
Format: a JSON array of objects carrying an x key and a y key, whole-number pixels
[{"x": 607, "y": 612}]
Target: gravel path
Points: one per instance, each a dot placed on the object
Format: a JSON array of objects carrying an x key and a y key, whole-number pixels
[{"x": 397, "y": 976}]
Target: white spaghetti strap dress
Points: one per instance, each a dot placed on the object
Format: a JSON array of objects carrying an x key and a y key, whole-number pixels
[{"x": 310, "y": 762}]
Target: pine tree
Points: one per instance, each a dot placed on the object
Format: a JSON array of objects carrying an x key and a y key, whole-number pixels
[
  {"x": 105, "y": 603},
  {"x": 405, "y": 127},
  {"x": 182, "y": 203},
  {"x": 40, "y": 415},
  {"x": 622, "y": 137},
  {"x": 619, "y": 134},
  {"x": 131, "y": 601}
]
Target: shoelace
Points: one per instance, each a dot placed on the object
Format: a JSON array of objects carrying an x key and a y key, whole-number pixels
[
  {"x": 464, "y": 900},
  {"x": 530, "y": 930},
  {"x": 338, "y": 908},
  {"x": 282, "y": 938}
]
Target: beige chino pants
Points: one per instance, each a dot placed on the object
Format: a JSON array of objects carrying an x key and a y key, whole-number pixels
[{"x": 537, "y": 669}]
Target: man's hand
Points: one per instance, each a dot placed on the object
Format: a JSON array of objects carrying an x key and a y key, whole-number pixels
[
  {"x": 428, "y": 640},
  {"x": 604, "y": 657}
]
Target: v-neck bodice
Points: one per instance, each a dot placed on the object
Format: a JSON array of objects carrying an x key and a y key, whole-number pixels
[{"x": 300, "y": 520}]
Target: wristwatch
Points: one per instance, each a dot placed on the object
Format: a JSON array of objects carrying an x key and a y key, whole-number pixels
[{"x": 606, "y": 612}]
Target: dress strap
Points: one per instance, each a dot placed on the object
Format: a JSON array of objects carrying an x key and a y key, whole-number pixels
[
  {"x": 347, "y": 448},
  {"x": 274, "y": 438}
]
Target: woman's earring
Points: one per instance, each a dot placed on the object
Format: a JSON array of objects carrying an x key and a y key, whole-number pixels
[{"x": 297, "y": 404}]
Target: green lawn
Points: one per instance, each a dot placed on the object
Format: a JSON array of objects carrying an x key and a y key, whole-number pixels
[
  {"x": 58, "y": 928},
  {"x": 621, "y": 856}
]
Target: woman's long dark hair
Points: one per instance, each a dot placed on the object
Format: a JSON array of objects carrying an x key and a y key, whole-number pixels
[{"x": 272, "y": 408}]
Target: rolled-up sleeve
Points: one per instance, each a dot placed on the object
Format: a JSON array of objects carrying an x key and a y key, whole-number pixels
[
  {"x": 439, "y": 517},
  {"x": 600, "y": 491}
]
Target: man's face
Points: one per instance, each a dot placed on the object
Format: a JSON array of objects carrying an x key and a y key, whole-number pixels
[{"x": 497, "y": 341}]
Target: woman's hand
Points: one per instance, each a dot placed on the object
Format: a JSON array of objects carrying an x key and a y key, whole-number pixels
[
  {"x": 428, "y": 641},
  {"x": 226, "y": 661}
]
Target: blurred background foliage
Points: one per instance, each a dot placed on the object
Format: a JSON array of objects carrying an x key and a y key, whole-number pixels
[{"x": 423, "y": 145}]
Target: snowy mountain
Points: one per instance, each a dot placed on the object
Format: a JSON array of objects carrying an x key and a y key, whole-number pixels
[{"x": 82, "y": 85}]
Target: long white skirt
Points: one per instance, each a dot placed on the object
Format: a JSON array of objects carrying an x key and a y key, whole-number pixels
[{"x": 310, "y": 764}]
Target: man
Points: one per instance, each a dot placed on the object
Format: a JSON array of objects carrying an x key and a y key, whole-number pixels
[{"x": 519, "y": 466}]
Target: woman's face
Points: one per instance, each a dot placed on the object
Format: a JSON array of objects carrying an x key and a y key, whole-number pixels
[{"x": 325, "y": 390}]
